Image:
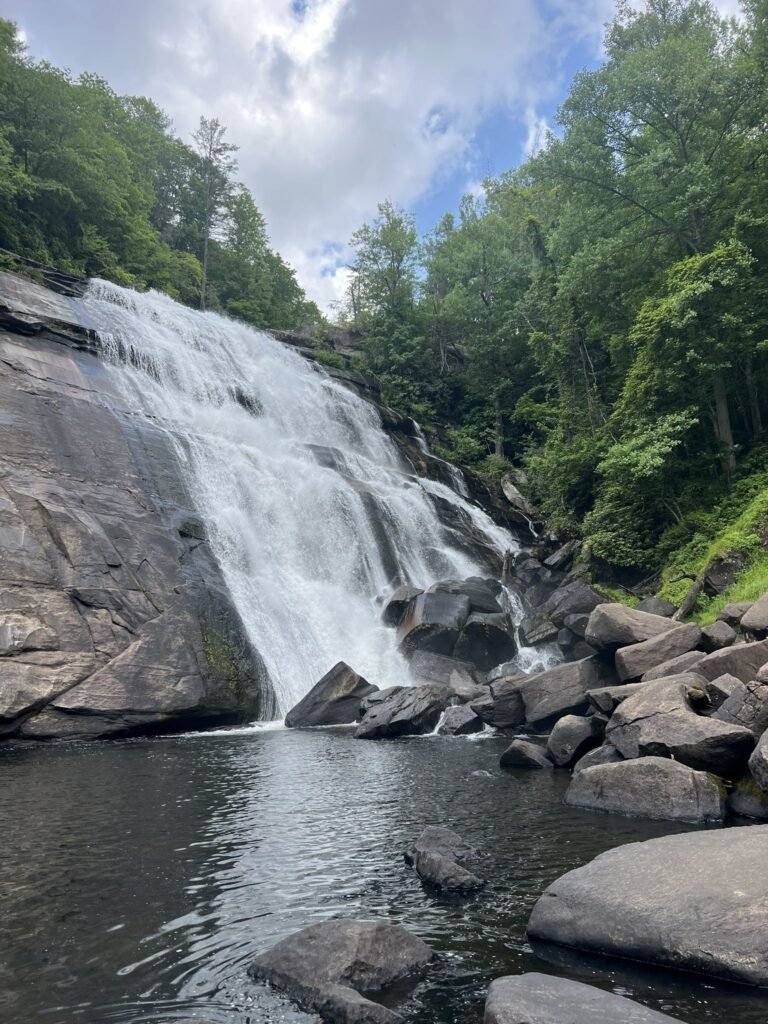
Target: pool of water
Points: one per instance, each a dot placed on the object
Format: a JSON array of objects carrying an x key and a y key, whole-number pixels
[{"x": 139, "y": 878}]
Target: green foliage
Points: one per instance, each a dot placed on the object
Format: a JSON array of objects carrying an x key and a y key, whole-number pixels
[
  {"x": 328, "y": 357},
  {"x": 96, "y": 184}
]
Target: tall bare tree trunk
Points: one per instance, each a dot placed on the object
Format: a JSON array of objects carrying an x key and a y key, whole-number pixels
[
  {"x": 753, "y": 400},
  {"x": 723, "y": 422}
]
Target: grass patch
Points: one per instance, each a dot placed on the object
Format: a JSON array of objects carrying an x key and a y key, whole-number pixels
[
  {"x": 617, "y": 596},
  {"x": 751, "y": 584}
]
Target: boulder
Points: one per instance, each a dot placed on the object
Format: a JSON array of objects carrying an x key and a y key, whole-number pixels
[
  {"x": 649, "y": 787},
  {"x": 605, "y": 754},
  {"x": 733, "y": 613},
  {"x": 746, "y": 705},
  {"x": 524, "y": 754},
  {"x": 717, "y": 636},
  {"x": 694, "y": 902},
  {"x": 657, "y": 606},
  {"x": 483, "y": 594},
  {"x": 607, "y": 698},
  {"x": 502, "y": 707},
  {"x": 758, "y": 762},
  {"x": 334, "y": 700},
  {"x": 742, "y": 660},
  {"x": 720, "y": 689},
  {"x": 754, "y": 622},
  {"x": 748, "y": 800},
  {"x": 460, "y": 721},
  {"x": 443, "y": 859},
  {"x": 563, "y": 557},
  {"x": 377, "y": 697},
  {"x": 547, "y": 999},
  {"x": 397, "y": 605},
  {"x": 485, "y": 641},
  {"x": 632, "y": 662},
  {"x": 577, "y": 623},
  {"x": 572, "y": 598},
  {"x": 536, "y": 629},
  {"x": 433, "y": 622},
  {"x": 411, "y": 711},
  {"x": 515, "y": 498},
  {"x": 572, "y": 737},
  {"x": 327, "y": 966},
  {"x": 614, "y": 625},
  {"x": 559, "y": 691},
  {"x": 461, "y": 677},
  {"x": 504, "y": 671},
  {"x": 659, "y": 720},
  {"x": 683, "y": 663}
]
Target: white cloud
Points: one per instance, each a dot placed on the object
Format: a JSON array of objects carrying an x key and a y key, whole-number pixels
[
  {"x": 536, "y": 135},
  {"x": 335, "y": 104}
]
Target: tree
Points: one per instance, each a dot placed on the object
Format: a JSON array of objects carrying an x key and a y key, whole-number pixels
[{"x": 217, "y": 165}]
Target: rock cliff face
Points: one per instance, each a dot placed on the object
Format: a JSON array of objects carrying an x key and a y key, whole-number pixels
[{"x": 114, "y": 617}]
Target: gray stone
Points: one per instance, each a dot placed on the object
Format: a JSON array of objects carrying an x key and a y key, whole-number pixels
[
  {"x": 577, "y": 623},
  {"x": 505, "y": 671},
  {"x": 113, "y": 618},
  {"x": 536, "y": 629},
  {"x": 559, "y": 691},
  {"x": 397, "y": 605},
  {"x": 443, "y": 859},
  {"x": 572, "y": 598},
  {"x": 656, "y": 606},
  {"x": 327, "y": 966},
  {"x": 606, "y": 754},
  {"x": 483, "y": 594},
  {"x": 733, "y": 613},
  {"x": 607, "y": 698},
  {"x": 683, "y": 663},
  {"x": 632, "y": 662},
  {"x": 717, "y": 636},
  {"x": 502, "y": 707},
  {"x": 649, "y": 787},
  {"x": 747, "y": 705},
  {"x": 485, "y": 641},
  {"x": 546, "y": 999},
  {"x": 660, "y": 720},
  {"x": 758, "y": 762},
  {"x": 614, "y": 625},
  {"x": 720, "y": 689},
  {"x": 464, "y": 679},
  {"x": 695, "y": 902},
  {"x": 755, "y": 620},
  {"x": 412, "y": 711},
  {"x": 460, "y": 721},
  {"x": 742, "y": 660},
  {"x": 563, "y": 557},
  {"x": 433, "y": 622},
  {"x": 334, "y": 700},
  {"x": 524, "y": 754},
  {"x": 378, "y": 697},
  {"x": 572, "y": 737}
]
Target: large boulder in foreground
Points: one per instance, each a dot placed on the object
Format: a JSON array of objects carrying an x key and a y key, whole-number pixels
[
  {"x": 334, "y": 700},
  {"x": 696, "y": 902},
  {"x": 546, "y": 999},
  {"x": 325, "y": 968},
  {"x": 614, "y": 625},
  {"x": 742, "y": 660},
  {"x": 649, "y": 787},
  {"x": 560, "y": 690},
  {"x": 411, "y": 711},
  {"x": 443, "y": 859},
  {"x": 660, "y": 720}
]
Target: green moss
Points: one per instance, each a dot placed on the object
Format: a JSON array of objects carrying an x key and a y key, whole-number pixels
[
  {"x": 329, "y": 358},
  {"x": 617, "y": 596},
  {"x": 223, "y": 663}
]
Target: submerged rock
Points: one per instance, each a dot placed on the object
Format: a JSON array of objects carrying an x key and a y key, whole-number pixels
[
  {"x": 649, "y": 787},
  {"x": 443, "y": 859},
  {"x": 695, "y": 902},
  {"x": 524, "y": 754},
  {"x": 410, "y": 711},
  {"x": 327, "y": 966},
  {"x": 546, "y": 999}
]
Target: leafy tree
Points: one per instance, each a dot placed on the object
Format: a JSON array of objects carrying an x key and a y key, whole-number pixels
[{"x": 217, "y": 165}]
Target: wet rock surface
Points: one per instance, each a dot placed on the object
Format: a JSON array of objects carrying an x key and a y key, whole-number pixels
[
  {"x": 327, "y": 967},
  {"x": 410, "y": 711},
  {"x": 443, "y": 859},
  {"x": 333, "y": 700},
  {"x": 695, "y": 902}
]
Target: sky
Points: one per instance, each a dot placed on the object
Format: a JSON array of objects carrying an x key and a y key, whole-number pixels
[{"x": 337, "y": 105}]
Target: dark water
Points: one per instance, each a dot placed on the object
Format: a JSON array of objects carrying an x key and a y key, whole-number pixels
[{"x": 137, "y": 879}]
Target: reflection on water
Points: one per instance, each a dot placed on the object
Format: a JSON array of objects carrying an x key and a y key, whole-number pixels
[{"x": 139, "y": 878}]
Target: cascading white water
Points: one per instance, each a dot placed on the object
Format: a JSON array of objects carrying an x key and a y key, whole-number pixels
[{"x": 309, "y": 509}]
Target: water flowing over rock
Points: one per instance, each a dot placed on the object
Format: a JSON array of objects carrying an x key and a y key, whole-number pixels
[{"x": 310, "y": 492}]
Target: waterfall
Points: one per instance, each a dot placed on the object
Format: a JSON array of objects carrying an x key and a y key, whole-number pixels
[{"x": 309, "y": 508}]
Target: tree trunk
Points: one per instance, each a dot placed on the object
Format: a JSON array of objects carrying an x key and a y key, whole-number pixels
[
  {"x": 723, "y": 421},
  {"x": 499, "y": 431},
  {"x": 753, "y": 400}
]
